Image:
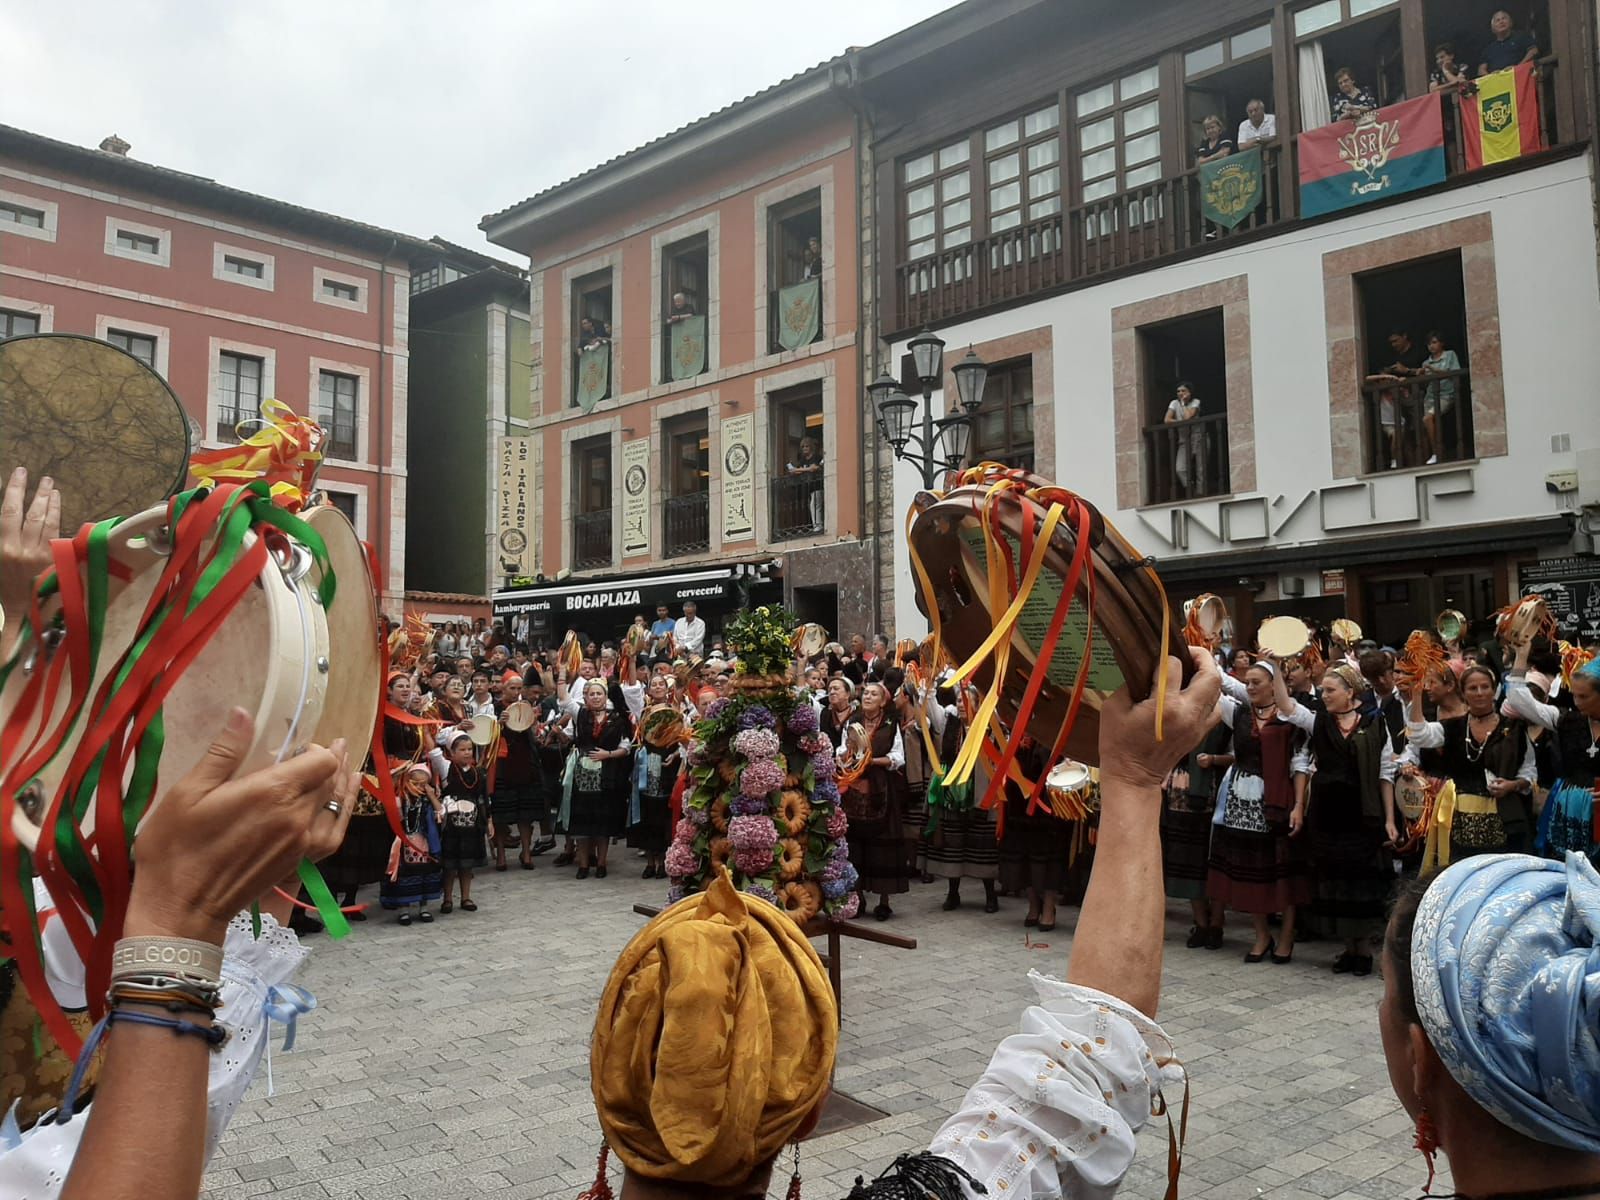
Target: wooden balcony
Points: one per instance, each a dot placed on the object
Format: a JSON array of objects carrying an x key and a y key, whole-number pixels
[
  {"x": 591, "y": 540},
  {"x": 796, "y": 506},
  {"x": 686, "y": 521},
  {"x": 1186, "y": 460},
  {"x": 1418, "y": 422}
]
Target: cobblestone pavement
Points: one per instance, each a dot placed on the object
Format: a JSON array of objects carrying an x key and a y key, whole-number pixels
[{"x": 451, "y": 1059}]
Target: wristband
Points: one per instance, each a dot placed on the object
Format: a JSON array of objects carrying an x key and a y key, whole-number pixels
[
  {"x": 162, "y": 988},
  {"x": 214, "y": 1035},
  {"x": 183, "y": 957}
]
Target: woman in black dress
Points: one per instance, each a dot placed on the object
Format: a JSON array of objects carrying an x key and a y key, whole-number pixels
[
  {"x": 1191, "y": 801},
  {"x": 838, "y": 710},
  {"x": 655, "y": 773},
  {"x": 1351, "y": 764},
  {"x": 464, "y": 821},
  {"x": 598, "y": 778},
  {"x": 1034, "y": 847},
  {"x": 875, "y": 805}
]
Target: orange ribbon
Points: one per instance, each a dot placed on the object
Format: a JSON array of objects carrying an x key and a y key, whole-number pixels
[{"x": 284, "y": 451}]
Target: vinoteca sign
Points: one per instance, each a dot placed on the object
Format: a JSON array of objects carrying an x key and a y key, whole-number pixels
[{"x": 603, "y": 599}]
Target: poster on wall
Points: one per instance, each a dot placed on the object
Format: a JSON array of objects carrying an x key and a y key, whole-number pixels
[
  {"x": 1571, "y": 587},
  {"x": 738, "y": 478},
  {"x": 636, "y": 497},
  {"x": 513, "y": 540}
]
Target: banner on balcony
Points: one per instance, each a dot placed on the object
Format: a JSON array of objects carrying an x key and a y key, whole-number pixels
[
  {"x": 738, "y": 478},
  {"x": 1393, "y": 150},
  {"x": 1500, "y": 121},
  {"x": 636, "y": 497},
  {"x": 513, "y": 545},
  {"x": 799, "y": 314},
  {"x": 594, "y": 375},
  {"x": 688, "y": 347},
  {"x": 1231, "y": 188}
]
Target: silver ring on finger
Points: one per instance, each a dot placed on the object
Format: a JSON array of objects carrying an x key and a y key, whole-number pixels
[{"x": 334, "y": 807}]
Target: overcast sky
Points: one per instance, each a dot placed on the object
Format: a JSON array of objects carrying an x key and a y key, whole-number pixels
[{"x": 417, "y": 117}]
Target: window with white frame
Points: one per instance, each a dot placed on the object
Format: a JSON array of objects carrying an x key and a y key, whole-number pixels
[
  {"x": 233, "y": 264},
  {"x": 1118, "y": 135},
  {"x": 238, "y": 393},
  {"x": 1021, "y": 160},
  {"x": 336, "y": 411},
  {"x": 141, "y": 345},
  {"x": 139, "y": 243},
  {"x": 341, "y": 291},
  {"x": 17, "y": 324},
  {"x": 335, "y": 289},
  {"x": 133, "y": 240},
  {"x": 936, "y": 191},
  {"x": 21, "y": 214}
]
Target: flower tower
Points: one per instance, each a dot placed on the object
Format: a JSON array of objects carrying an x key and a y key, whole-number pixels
[{"x": 761, "y": 795}]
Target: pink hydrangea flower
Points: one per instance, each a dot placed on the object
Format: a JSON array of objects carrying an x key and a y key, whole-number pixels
[
  {"x": 756, "y": 744},
  {"x": 752, "y": 833},
  {"x": 760, "y": 779},
  {"x": 680, "y": 860},
  {"x": 851, "y": 905},
  {"x": 838, "y": 824},
  {"x": 754, "y": 861}
]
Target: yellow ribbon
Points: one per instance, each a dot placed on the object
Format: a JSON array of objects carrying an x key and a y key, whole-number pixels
[
  {"x": 284, "y": 452},
  {"x": 1437, "y": 851}
]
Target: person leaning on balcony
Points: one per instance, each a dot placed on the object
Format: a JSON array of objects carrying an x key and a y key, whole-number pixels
[
  {"x": 1440, "y": 398},
  {"x": 682, "y": 309},
  {"x": 1258, "y": 126},
  {"x": 1350, "y": 100},
  {"x": 811, "y": 259},
  {"x": 1187, "y": 444},
  {"x": 1509, "y": 48},
  {"x": 1217, "y": 145},
  {"x": 1408, "y": 360},
  {"x": 1447, "y": 71},
  {"x": 592, "y": 333}
]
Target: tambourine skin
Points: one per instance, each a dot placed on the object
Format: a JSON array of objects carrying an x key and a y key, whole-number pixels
[
  {"x": 354, "y": 657},
  {"x": 263, "y": 659},
  {"x": 947, "y": 536}
]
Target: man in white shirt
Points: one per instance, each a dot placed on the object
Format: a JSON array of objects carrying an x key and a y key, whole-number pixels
[
  {"x": 689, "y": 632},
  {"x": 1258, "y": 126}
]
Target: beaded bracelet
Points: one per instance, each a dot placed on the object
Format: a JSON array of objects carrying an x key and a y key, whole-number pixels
[{"x": 214, "y": 1035}]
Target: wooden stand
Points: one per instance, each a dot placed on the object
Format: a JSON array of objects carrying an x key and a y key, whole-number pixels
[{"x": 833, "y": 930}]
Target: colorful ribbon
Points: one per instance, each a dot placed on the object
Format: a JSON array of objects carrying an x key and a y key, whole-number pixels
[{"x": 284, "y": 452}]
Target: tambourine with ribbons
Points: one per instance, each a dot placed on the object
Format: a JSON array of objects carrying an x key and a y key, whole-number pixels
[
  {"x": 235, "y": 589},
  {"x": 1527, "y": 619},
  {"x": 1420, "y": 659},
  {"x": 1046, "y": 608},
  {"x": 1205, "y": 617}
]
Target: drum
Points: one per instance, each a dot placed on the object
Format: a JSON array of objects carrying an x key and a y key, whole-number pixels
[
  {"x": 1450, "y": 624},
  {"x": 1283, "y": 637},
  {"x": 855, "y": 752},
  {"x": 663, "y": 727},
  {"x": 951, "y": 557},
  {"x": 570, "y": 657},
  {"x": 809, "y": 640},
  {"x": 1529, "y": 618},
  {"x": 1345, "y": 631},
  {"x": 1206, "y": 615},
  {"x": 104, "y": 426},
  {"x": 273, "y": 654},
  {"x": 1069, "y": 787},
  {"x": 482, "y": 730},
  {"x": 519, "y": 716}
]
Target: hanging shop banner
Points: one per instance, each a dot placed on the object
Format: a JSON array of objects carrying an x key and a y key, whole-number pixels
[
  {"x": 738, "y": 478},
  {"x": 688, "y": 347},
  {"x": 1231, "y": 188},
  {"x": 1500, "y": 118},
  {"x": 1392, "y": 150},
  {"x": 594, "y": 375},
  {"x": 514, "y": 514},
  {"x": 799, "y": 314},
  {"x": 636, "y": 497}
]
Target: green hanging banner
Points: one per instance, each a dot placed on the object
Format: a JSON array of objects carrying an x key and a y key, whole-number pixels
[
  {"x": 799, "y": 314},
  {"x": 688, "y": 347},
  {"x": 594, "y": 375},
  {"x": 1231, "y": 188}
]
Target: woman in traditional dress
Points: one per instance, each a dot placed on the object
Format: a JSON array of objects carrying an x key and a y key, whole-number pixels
[
  {"x": 1034, "y": 846},
  {"x": 417, "y": 880},
  {"x": 654, "y": 776},
  {"x": 463, "y": 818},
  {"x": 875, "y": 804},
  {"x": 1567, "y": 822},
  {"x": 908, "y": 710},
  {"x": 837, "y": 710},
  {"x": 597, "y": 774},
  {"x": 450, "y": 705},
  {"x": 1489, "y": 768},
  {"x": 961, "y": 844},
  {"x": 1257, "y": 865},
  {"x": 1186, "y": 833},
  {"x": 1351, "y": 766}
]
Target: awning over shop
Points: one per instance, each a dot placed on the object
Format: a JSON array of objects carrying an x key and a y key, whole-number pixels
[{"x": 605, "y": 602}]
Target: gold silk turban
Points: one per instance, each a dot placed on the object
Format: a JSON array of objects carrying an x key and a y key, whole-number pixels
[{"x": 714, "y": 1040}]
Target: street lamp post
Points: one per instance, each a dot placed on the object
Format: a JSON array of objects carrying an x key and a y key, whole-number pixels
[{"x": 941, "y": 445}]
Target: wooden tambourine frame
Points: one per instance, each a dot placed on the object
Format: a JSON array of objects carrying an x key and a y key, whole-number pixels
[{"x": 1130, "y": 606}]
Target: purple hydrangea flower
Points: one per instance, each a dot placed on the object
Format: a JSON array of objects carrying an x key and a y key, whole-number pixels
[
  {"x": 757, "y": 716},
  {"x": 760, "y": 779},
  {"x": 750, "y": 806},
  {"x": 824, "y": 765},
  {"x": 838, "y": 861},
  {"x": 752, "y": 833},
  {"x": 715, "y": 709},
  {"x": 826, "y": 792},
  {"x": 803, "y": 720},
  {"x": 851, "y": 905},
  {"x": 757, "y": 745},
  {"x": 753, "y": 861},
  {"x": 762, "y": 892},
  {"x": 680, "y": 859},
  {"x": 699, "y": 817},
  {"x": 675, "y": 893},
  {"x": 834, "y": 889}
]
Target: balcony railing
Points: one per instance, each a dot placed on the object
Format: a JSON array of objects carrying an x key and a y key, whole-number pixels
[
  {"x": 1148, "y": 224},
  {"x": 1417, "y": 422},
  {"x": 796, "y": 503},
  {"x": 687, "y": 520},
  {"x": 1186, "y": 460},
  {"x": 591, "y": 540}
]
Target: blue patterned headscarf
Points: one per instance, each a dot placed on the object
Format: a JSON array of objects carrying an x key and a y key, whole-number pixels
[{"x": 1506, "y": 969}]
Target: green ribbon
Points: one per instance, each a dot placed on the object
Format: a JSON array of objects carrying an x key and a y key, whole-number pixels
[{"x": 327, "y": 907}]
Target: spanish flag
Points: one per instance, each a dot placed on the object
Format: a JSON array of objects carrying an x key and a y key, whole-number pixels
[{"x": 1501, "y": 121}]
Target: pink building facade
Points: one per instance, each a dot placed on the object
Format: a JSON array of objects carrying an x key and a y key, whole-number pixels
[{"x": 233, "y": 298}]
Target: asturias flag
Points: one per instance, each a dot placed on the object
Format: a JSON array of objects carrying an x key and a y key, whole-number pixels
[
  {"x": 1395, "y": 149},
  {"x": 1501, "y": 120}
]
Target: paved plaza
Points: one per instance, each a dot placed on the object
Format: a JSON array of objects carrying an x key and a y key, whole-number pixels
[{"x": 452, "y": 1059}]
